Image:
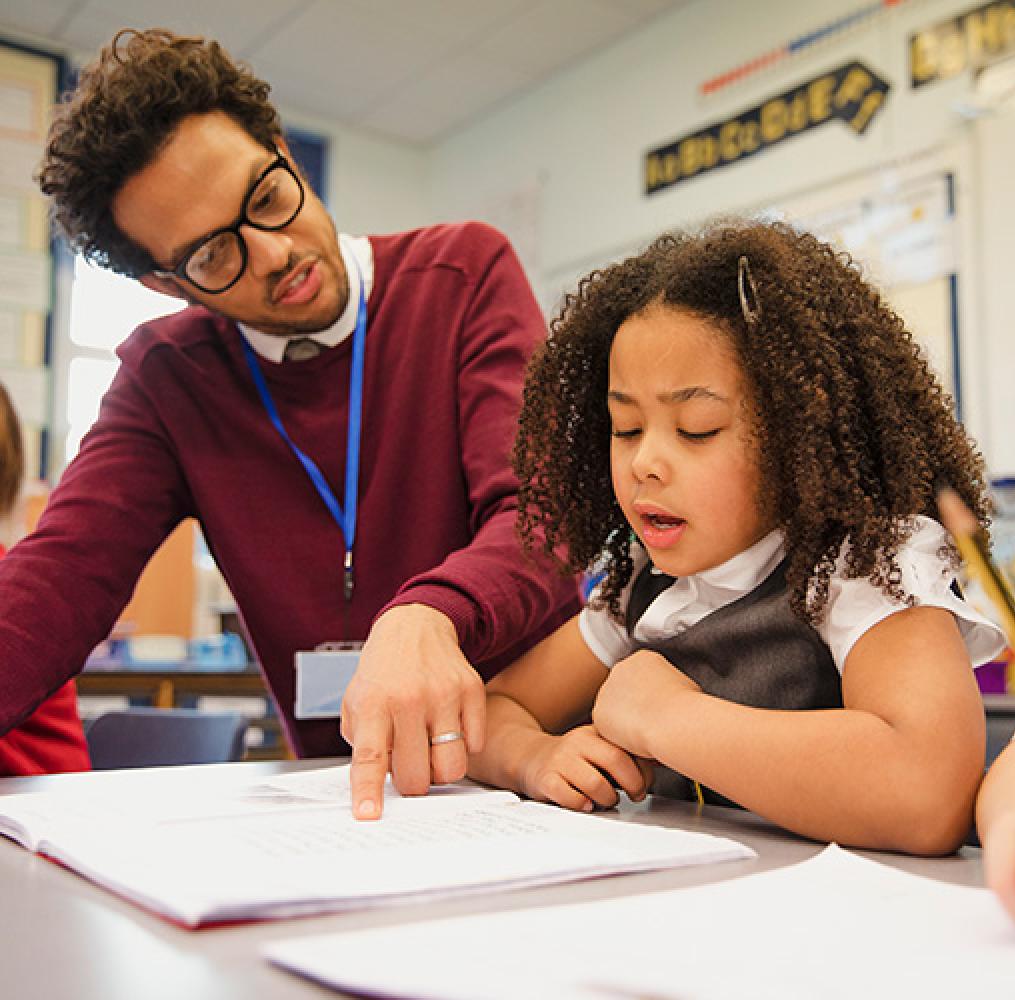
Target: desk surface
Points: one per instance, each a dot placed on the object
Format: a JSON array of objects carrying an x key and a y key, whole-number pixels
[{"x": 63, "y": 937}]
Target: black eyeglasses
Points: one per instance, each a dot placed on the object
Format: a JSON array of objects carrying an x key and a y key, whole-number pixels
[{"x": 217, "y": 261}]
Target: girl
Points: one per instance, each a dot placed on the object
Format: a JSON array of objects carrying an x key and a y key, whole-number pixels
[
  {"x": 51, "y": 739},
  {"x": 744, "y": 434}
]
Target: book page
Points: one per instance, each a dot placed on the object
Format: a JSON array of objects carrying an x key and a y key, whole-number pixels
[
  {"x": 837, "y": 927},
  {"x": 291, "y": 846}
]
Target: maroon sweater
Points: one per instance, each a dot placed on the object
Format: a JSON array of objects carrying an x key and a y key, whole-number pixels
[{"x": 182, "y": 432}]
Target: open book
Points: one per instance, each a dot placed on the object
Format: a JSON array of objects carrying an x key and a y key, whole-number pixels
[{"x": 289, "y": 846}]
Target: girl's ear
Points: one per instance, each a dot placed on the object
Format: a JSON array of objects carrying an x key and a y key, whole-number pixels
[{"x": 167, "y": 286}]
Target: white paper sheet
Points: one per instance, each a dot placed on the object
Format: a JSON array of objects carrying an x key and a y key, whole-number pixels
[
  {"x": 290, "y": 845},
  {"x": 835, "y": 927}
]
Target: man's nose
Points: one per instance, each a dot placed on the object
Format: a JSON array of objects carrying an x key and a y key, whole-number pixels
[{"x": 267, "y": 252}]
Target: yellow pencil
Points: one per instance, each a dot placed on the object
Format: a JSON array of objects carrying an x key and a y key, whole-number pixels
[{"x": 965, "y": 530}]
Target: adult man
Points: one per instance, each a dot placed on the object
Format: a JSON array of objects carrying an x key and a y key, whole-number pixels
[{"x": 169, "y": 165}]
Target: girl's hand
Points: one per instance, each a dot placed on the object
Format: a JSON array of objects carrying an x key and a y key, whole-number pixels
[
  {"x": 580, "y": 769},
  {"x": 640, "y": 691},
  {"x": 999, "y": 859}
]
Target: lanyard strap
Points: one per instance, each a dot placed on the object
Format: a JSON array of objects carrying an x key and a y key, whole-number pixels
[{"x": 345, "y": 519}]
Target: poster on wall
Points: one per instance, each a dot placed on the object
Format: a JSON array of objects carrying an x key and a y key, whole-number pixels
[
  {"x": 851, "y": 94},
  {"x": 28, "y": 87},
  {"x": 904, "y": 239},
  {"x": 971, "y": 41}
]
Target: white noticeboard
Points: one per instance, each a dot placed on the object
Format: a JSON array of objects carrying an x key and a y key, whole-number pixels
[{"x": 904, "y": 236}]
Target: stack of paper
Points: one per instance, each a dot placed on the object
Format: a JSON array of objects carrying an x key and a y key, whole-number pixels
[
  {"x": 837, "y": 927},
  {"x": 290, "y": 846}
]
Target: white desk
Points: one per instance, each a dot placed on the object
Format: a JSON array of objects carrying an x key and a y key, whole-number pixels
[{"x": 61, "y": 937}]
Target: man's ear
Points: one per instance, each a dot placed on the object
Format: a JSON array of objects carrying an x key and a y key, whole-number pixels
[{"x": 167, "y": 286}]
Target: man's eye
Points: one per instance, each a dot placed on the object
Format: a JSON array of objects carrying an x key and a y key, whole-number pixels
[
  {"x": 207, "y": 255},
  {"x": 697, "y": 435},
  {"x": 618, "y": 433},
  {"x": 264, "y": 199}
]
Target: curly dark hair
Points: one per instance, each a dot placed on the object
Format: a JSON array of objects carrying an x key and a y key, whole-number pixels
[
  {"x": 854, "y": 433},
  {"x": 126, "y": 106}
]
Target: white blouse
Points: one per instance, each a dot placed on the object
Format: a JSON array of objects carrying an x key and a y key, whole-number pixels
[{"x": 854, "y": 605}]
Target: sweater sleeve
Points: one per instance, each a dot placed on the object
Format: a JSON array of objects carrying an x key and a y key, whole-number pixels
[
  {"x": 62, "y": 588},
  {"x": 500, "y": 599}
]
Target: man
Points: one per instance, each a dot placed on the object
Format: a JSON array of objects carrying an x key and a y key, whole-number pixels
[{"x": 168, "y": 164}]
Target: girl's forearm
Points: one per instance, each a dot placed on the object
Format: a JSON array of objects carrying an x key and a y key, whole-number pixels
[
  {"x": 511, "y": 735},
  {"x": 840, "y": 774}
]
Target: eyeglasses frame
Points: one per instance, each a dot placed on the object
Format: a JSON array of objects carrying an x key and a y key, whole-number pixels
[{"x": 281, "y": 161}]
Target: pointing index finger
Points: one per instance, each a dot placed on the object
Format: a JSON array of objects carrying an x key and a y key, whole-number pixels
[{"x": 369, "y": 767}]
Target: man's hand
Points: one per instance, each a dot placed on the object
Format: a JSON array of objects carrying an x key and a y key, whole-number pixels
[
  {"x": 411, "y": 686},
  {"x": 640, "y": 693},
  {"x": 580, "y": 770}
]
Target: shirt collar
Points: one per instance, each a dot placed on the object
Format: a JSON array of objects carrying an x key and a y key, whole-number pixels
[
  {"x": 357, "y": 255},
  {"x": 747, "y": 569},
  {"x": 692, "y": 597}
]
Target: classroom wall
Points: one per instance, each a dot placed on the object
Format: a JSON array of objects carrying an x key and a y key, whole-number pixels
[
  {"x": 375, "y": 185},
  {"x": 560, "y": 169}
]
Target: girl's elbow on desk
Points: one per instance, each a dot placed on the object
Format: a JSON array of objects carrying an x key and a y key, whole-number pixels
[{"x": 926, "y": 795}]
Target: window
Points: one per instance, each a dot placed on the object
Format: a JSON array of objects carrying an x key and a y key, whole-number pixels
[{"x": 104, "y": 309}]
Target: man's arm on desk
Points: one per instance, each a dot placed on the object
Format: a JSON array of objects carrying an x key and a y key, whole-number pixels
[
  {"x": 486, "y": 603},
  {"x": 387, "y": 706}
]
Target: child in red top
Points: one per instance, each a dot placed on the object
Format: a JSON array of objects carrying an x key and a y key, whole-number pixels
[{"x": 51, "y": 739}]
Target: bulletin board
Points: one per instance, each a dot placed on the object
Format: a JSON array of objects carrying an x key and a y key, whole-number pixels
[
  {"x": 29, "y": 83},
  {"x": 901, "y": 228}
]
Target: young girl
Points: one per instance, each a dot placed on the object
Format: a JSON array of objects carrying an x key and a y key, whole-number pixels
[
  {"x": 51, "y": 739},
  {"x": 744, "y": 436}
]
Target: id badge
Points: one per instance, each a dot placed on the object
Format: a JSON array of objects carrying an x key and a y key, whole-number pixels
[{"x": 322, "y": 675}]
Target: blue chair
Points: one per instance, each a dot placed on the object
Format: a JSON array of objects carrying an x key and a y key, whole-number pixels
[{"x": 157, "y": 737}]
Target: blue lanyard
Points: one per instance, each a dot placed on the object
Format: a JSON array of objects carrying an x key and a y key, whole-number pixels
[{"x": 346, "y": 520}]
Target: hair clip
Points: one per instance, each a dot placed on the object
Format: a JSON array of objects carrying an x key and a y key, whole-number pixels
[{"x": 750, "y": 303}]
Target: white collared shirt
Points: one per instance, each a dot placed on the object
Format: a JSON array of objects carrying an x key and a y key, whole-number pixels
[
  {"x": 357, "y": 256},
  {"x": 854, "y": 605}
]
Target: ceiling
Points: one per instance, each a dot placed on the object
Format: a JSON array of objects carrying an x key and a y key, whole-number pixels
[{"x": 412, "y": 70}]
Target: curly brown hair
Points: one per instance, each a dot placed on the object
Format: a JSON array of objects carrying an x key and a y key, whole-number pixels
[
  {"x": 125, "y": 107},
  {"x": 854, "y": 432}
]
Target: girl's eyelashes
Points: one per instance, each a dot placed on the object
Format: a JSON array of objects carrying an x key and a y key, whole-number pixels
[{"x": 686, "y": 435}]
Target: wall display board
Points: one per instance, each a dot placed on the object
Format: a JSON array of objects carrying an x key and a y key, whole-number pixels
[
  {"x": 28, "y": 87},
  {"x": 904, "y": 236},
  {"x": 970, "y": 41},
  {"x": 851, "y": 94}
]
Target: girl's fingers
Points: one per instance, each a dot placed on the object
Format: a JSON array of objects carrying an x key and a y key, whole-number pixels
[{"x": 555, "y": 789}]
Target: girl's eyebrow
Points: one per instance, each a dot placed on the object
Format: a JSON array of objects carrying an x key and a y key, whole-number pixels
[{"x": 676, "y": 396}]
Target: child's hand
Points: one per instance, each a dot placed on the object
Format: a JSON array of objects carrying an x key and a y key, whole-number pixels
[
  {"x": 637, "y": 692},
  {"x": 579, "y": 770},
  {"x": 999, "y": 859}
]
